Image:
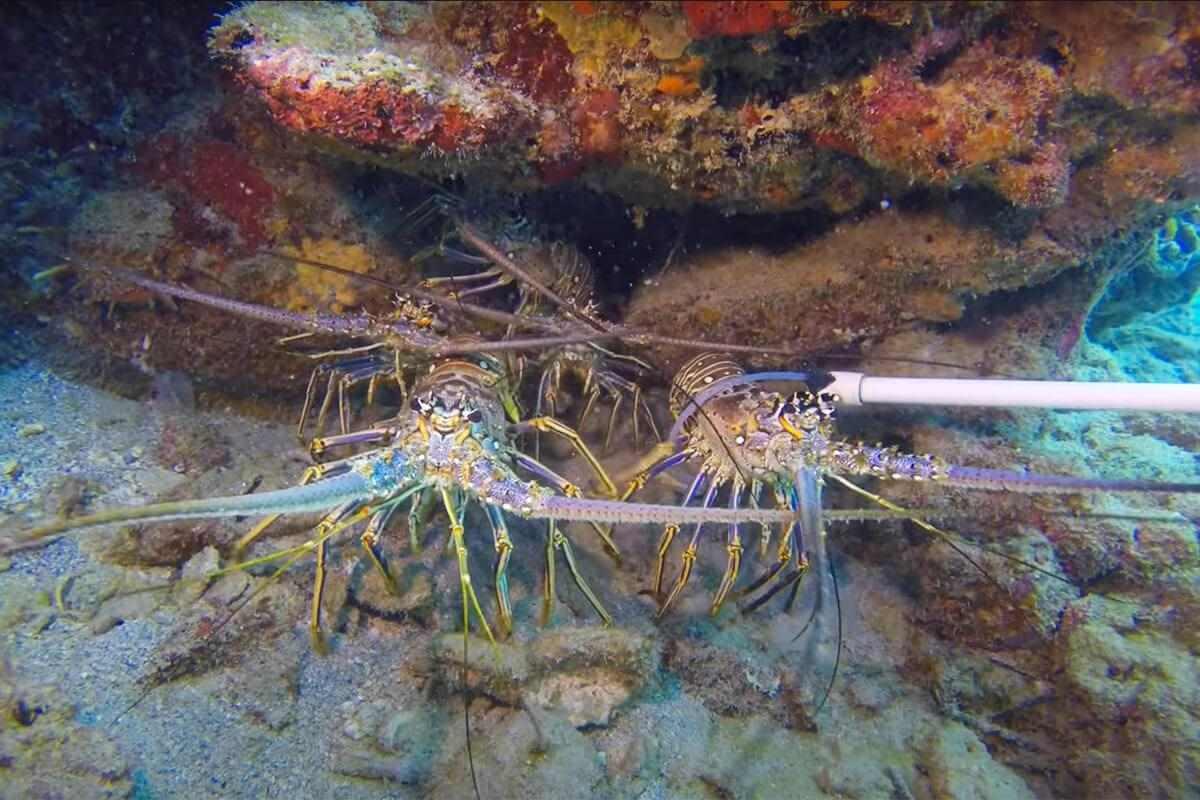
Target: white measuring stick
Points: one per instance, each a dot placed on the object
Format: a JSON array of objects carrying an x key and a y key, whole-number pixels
[{"x": 856, "y": 389}]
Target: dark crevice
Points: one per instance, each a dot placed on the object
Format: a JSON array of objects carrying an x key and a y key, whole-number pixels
[{"x": 837, "y": 51}]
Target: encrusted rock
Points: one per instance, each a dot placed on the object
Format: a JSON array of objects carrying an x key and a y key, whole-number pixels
[
  {"x": 46, "y": 753},
  {"x": 705, "y": 102},
  {"x": 584, "y": 673},
  {"x": 389, "y": 744}
]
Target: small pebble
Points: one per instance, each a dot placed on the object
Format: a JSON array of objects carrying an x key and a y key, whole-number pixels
[
  {"x": 103, "y": 624},
  {"x": 33, "y": 429},
  {"x": 11, "y": 469}
]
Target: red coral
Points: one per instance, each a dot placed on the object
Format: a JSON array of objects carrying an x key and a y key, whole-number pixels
[
  {"x": 537, "y": 60},
  {"x": 224, "y": 178},
  {"x": 736, "y": 17}
]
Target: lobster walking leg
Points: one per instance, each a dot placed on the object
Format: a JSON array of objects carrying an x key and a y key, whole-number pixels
[
  {"x": 327, "y": 524},
  {"x": 470, "y": 600},
  {"x": 418, "y": 513},
  {"x": 548, "y": 594},
  {"x": 689, "y": 554},
  {"x": 561, "y": 542},
  {"x": 551, "y": 425},
  {"x": 504, "y": 548},
  {"x": 570, "y": 490},
  {"x": 786, "y": 553},
  {"x": 669, "y": 533},
  {"x": 370, "y": 544},
  {"x": 733, "y": 547}
]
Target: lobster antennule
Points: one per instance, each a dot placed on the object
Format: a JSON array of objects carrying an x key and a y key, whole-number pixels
[
  {"x": 1010, "y": 481},
  {"x": 822, "y": 647},
  {"x": 319, "y": 496}
]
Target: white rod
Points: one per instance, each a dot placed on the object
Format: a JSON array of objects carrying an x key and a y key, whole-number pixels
[{"x": 858, "y": 389}]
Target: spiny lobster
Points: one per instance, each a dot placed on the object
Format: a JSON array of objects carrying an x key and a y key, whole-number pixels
[
  {"x": 744, "y": 437},
  {"x": 411, "y": 335},
  {"x": 556, "y": 282}
]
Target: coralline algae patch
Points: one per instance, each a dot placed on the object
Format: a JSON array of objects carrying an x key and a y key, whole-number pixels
[
  {"x": 709, "y": 101},
  {"x": 221, "y": 196}
]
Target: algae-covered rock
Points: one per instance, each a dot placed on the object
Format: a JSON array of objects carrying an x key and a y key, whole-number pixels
[
  {"x": 390, "y": 744},
  {"x": 958, "y": 766},
  {"x": 1136, "y": 695},
  {"x": 521, "y": 755},
  {"x": 582, "y": 673}
]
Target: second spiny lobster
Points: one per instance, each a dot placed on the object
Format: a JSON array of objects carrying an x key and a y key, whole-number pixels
[{"x": 745, "y": 437}]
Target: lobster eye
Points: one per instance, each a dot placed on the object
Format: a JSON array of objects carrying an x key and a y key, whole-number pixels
[
  {"x": 474, "y": 415},
  {"x": 415, "y": 404}
]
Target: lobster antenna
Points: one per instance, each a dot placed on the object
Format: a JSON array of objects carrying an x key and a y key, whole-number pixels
[
  {"x": 466, "y": 689},
  {"x": 837, "y": 655},
  {"x": 421, "y": 294},
  {"x": 529, "y": 321},
  {"x": 493, "y": 253}
]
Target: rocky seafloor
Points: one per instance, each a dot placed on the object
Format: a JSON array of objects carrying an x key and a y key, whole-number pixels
[
  {"x": 123, "y": 678},
  {"x": 1006, "y": 187}
]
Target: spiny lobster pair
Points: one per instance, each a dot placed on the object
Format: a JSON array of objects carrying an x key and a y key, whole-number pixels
[
  {"x": 460, "y": 427},
  {"x": 456, "y": 442}
]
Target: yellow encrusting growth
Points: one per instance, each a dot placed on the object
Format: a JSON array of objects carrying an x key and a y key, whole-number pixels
[{"x": 318, "y": 288}]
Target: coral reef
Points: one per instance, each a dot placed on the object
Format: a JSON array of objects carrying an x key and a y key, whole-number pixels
[
  {"x": 1063, "y": 669},
  {"x": 705, "y": 102}
]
